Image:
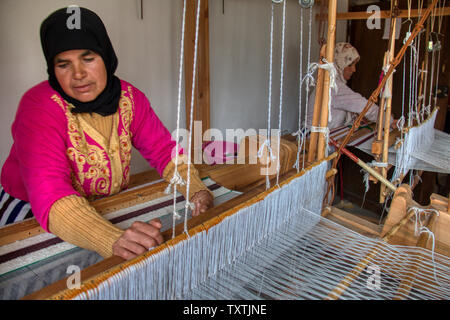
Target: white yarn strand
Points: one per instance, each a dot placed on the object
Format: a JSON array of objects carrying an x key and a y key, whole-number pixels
[
  {"x": 194, "y": 73},
  {"x": 298, "y": 134},
  {"x": 417, "y": 139},
  {"x": 290, "y": 252},
  {"x": 176, "y": 178},
  {"x": 281, "y": 90},
  {"x": 269, "y": 103},
  {"x": 307, "y": 85}
]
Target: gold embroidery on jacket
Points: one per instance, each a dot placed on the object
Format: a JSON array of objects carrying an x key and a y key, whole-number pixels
[
  {"x": 126, "y": 106},
  {"x": 102, "y": 181}
]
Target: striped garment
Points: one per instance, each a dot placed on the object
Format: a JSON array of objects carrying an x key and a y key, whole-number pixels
[
  {"x": 12, "y": 209},
  {"x": 30, "y": 264}
]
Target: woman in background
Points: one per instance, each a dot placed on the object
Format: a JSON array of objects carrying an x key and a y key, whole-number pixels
[{"x": 346, "y": 104}]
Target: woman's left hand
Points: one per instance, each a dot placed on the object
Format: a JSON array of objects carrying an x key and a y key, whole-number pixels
[{"x": 202, "y": 201}]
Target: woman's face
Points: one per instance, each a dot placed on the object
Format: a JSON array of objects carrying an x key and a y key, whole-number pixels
[
  {"x": 81, "y": 74},
  {"x": 350, "y": 70}
]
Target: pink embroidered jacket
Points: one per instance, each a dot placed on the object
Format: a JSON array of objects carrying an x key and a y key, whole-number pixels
[{"x": 55, "y": 154}]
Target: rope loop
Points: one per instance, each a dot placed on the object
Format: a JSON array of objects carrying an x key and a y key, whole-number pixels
[
  {"x": 331, "y": 68},
  {"x": 306, "y": 3},
  {"x": 379, "y": 164},
  {"x": 417, "y": 215},
  {"x": 269, "y": 150},
  {"x": 400, "y": 123},
  {"x": 176, "y": 179},
  {"x": 301, "y": 138}
]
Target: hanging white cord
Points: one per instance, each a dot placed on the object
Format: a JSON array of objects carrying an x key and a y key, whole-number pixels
[
  {"x": 299, "y": 134},
  {"x": 188, "y": 204},
  {"x": 403, "y": 99},
  {"x": 412, "y": 84},
  {"x": 437, "y": 77},
  {"x": 307, "y": 84},
  {"x": 309, "y": 78},
  {"x": 267, "y": 142},
  {"x": 433, "y": 19},
  {"x": 176, "y": 175},
  {"x": 439, "y": 54},
  {"x": 281, "y": 90},
  {"x": 413, "y": 99},
  {"x": 427, "y": 109},
  {"x": 419, "y": 228},
  {"x": 416, "y": 79}
]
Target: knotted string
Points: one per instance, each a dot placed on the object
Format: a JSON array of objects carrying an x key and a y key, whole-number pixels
[
  {"x": 326, "y": 132},
  {"x": 176, "y": 176},
  {"x": 419, "y": 228},
  {"x": 330, "y": 67},
  {"x": 301, "y": 135},
  {"x": 366, "y": 176},
  {"x": 270, "y": 157},
  {"x": 188, "y": 204}
]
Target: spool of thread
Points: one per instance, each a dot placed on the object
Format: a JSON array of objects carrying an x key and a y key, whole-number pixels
[{"x": 306, "y": 3}]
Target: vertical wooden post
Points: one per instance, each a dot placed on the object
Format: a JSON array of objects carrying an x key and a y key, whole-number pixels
[
  {"x": 331, "y": 39},
  {"x": 387, "y": 112},
  {"x": 377, "y": 145},
  {"x": 317, "y": 109},
  {"x": 202, "y": 81},
  {"x": 424, "y": 75}
]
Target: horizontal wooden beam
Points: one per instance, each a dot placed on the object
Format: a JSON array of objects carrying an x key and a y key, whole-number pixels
[
  {"x": 384, "y": 14},
  {"x": 58, "y": 290}
]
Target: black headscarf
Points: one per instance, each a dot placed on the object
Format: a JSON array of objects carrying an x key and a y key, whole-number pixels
[{"x": 57, "y": 35}]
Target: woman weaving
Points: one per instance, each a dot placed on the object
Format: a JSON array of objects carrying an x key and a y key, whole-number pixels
[
  {"x": 72, "y": 142},
  {"x": 345, "y": 103}
]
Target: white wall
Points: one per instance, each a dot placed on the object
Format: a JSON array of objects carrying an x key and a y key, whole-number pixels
[
  {"x": 240, "y": 51},
  {"x": 148, "y": 57}
]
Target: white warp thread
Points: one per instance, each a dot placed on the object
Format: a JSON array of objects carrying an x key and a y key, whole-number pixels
[
  {"x": 174, "y": 272},
  {"x": 419, "y": 138}
]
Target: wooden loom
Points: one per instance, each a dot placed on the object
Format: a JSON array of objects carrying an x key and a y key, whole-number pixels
[
  {"x": 247, "y": 179},
  {"x": 378, "y": 148}
]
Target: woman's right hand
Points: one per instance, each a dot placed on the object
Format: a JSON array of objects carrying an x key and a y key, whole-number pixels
[{"x": 138, "y": 238}]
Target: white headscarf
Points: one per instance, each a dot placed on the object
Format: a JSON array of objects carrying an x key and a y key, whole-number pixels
[{"x": 344, "y": 55}]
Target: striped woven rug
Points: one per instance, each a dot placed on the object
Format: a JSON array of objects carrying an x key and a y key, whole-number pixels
[{"x": 31, "y": 264}]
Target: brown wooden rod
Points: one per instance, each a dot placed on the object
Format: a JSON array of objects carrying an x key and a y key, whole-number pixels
[
  {"x": 383, "y": 100},
  {"x": 317, "y": 106},
  {"x": 394, "y": 63},
  {"x": 387, "y": 111},
  {"x": 384, "y": 14},
  {"x": 397, "y": 226},
  {"x": 421, "y": 95},
  {"x": 424, "y": 75},
  {"x": 331, "y": 39},
  {"x": 352, "y": 275},
  {"x": 365, "y": 166}
]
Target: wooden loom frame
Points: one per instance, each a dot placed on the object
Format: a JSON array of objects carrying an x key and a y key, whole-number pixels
[
  {"x": 225, "y": 175},
  {"x": 384, "y": 141}
]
